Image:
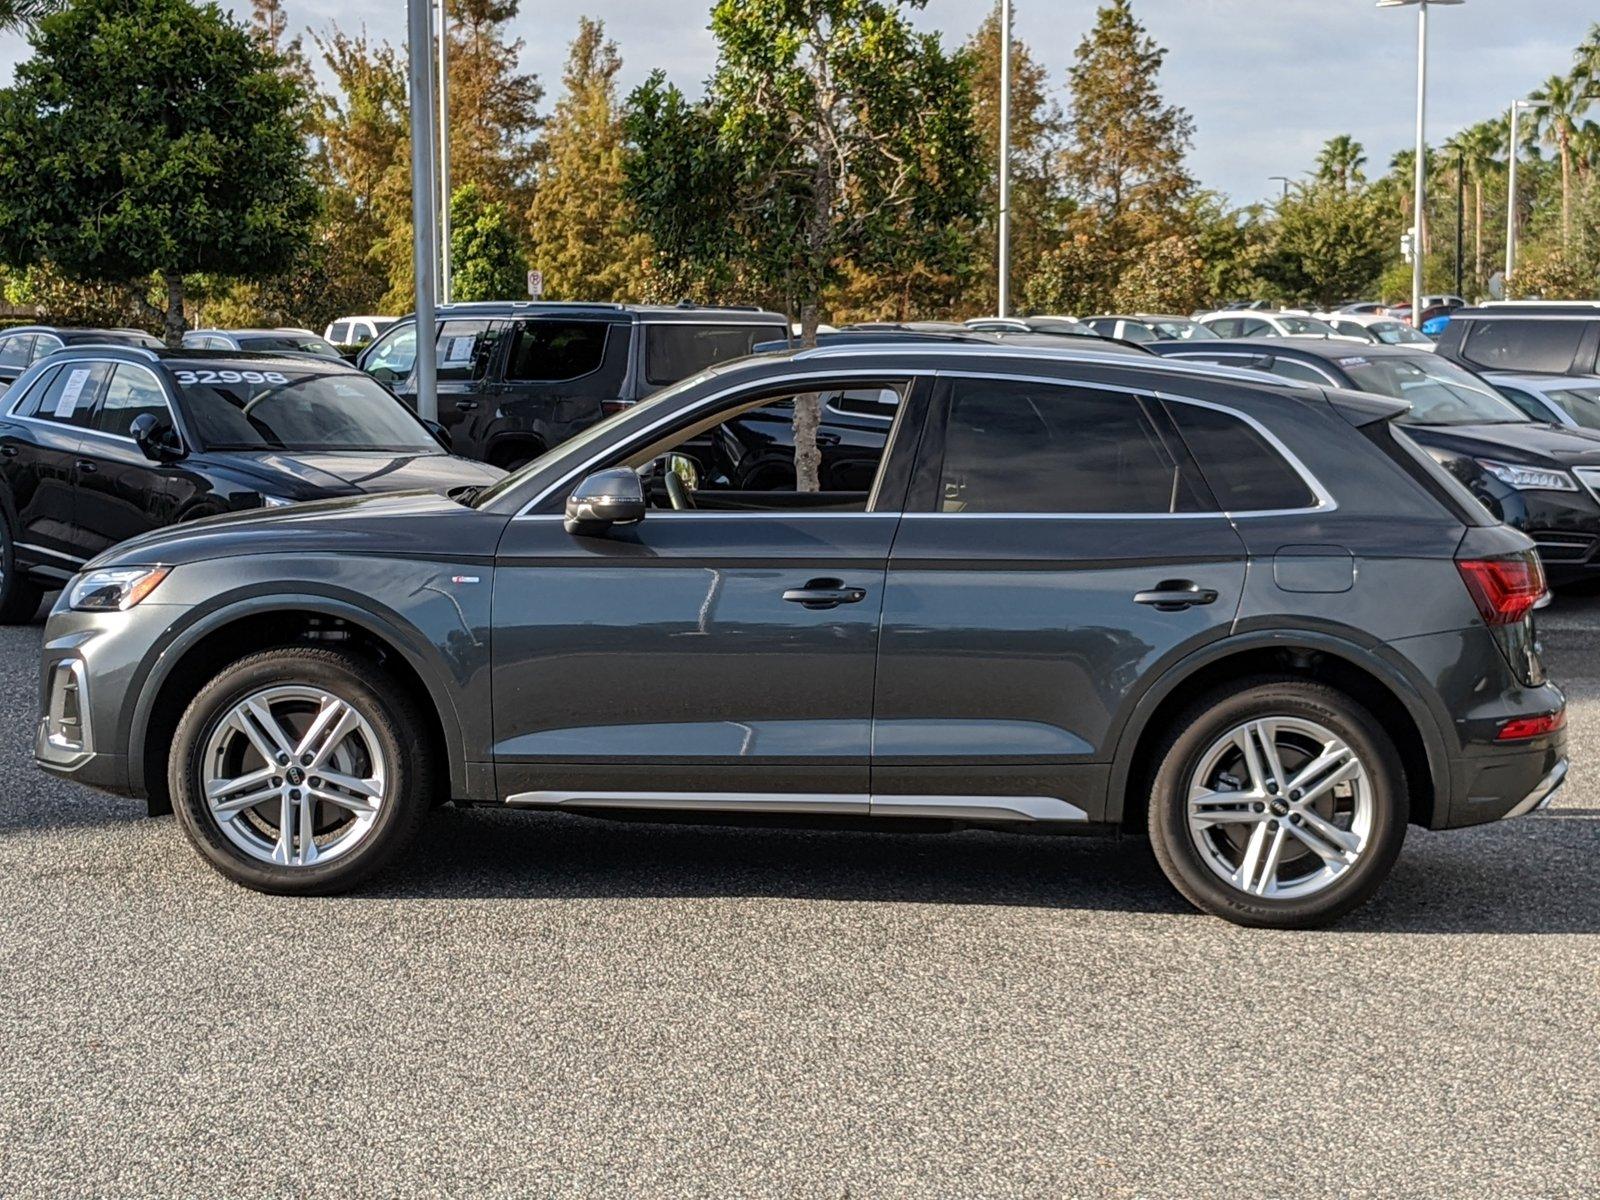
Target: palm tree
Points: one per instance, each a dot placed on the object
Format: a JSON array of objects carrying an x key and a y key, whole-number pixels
[
  {"x": 1341, "y": 160},
  {"x": 21, "y": 14},
  {"x": 1586, "y": 149},
  {"x": 1480, "y": 146},
  {"x": 1565, "y": 100}
]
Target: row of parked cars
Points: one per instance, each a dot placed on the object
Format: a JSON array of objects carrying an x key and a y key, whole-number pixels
[{"x": 1262, "y": 599}]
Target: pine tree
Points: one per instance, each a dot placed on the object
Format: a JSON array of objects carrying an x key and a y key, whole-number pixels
[
  {"x": 585, "y": 234},
  {"x": 494, "y": 107},
  {"x": 486, "y": 257},
  {"x": 1125, "y": 161}
]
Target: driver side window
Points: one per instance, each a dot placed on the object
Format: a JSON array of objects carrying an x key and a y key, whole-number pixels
[{"x": 745, "y": 462}]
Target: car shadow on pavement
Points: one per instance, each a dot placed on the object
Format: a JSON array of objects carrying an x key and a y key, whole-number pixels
[{"x": 1511, "y": 878}]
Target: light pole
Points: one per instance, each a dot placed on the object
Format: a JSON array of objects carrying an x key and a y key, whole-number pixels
[
  {"x": 1003, "y": 284},
  {"x": 1286, "y": 181},
  {"x": 1419, "y": 196},
  {"x": 444, "y": 152},
  {"x": 424, "y": 196},
  {"x": 1518, "y": 107}
]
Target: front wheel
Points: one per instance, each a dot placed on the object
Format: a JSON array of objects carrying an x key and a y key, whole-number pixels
[
  {"x": 300, "y": 771},
  {"x": 1278, "y": 803}
]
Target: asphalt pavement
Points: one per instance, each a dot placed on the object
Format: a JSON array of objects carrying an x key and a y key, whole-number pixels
[{"x": 546, "y": 1006}]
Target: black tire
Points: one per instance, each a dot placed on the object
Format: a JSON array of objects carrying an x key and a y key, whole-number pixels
[
  {"x": 19, "y": 596},
  {"x": 399, "y": 730},
  {"x": 1180, "y": 755}
]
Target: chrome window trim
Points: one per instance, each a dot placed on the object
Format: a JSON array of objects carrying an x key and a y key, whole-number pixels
[
  {"x": 53, "y": 553},
  {"x": 172, "y": 417},
  {"x": 1325, "y": 501},
  {"x": 12, "y": 414}
]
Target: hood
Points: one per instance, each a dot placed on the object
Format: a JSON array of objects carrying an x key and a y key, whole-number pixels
[
  {"x": 399, "y": 525},
  {"x": 313, "y": 474},
  {"x": 1529, "y": 442}
]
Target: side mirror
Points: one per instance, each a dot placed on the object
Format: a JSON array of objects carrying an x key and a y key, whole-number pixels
[
  {"x": 604, "y": 499},
  {"x": 440, "y": 432},
  {"x": 155, "y": 438}
]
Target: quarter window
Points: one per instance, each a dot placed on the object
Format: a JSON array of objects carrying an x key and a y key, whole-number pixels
[
  {"x": 1506, "y": 344},
  {"x": 673, "y": 352},
  {"x": 1244, "y": 471},
  {"x": 1022, "y": 447},
  {"x": 44, "y": 344},
  {"x": 14, "y": 350},
  {"x": 556, "y": 351},
  {"x": 132, "y": 392}
]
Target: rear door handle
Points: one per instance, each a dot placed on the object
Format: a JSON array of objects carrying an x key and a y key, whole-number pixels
[
  {"x": 9, "y": 451},
  {"x": 825, "y": 593},
  {"x": 466, "y": 405},
  {"x": 1175, "y": 595}
]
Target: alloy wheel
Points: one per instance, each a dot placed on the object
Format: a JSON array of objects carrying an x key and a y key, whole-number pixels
[
  {"x": 1280, "y": 807},
  {"x": 294, "y": 775}
]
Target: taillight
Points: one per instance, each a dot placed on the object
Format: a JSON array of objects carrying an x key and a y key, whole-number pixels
[
  {"x": 1520, "y": 729},
  {"x": 1504, "y": 589}
]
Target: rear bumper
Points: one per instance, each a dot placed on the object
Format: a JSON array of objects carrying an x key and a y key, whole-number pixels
[{"x": 1543, "y": 793}]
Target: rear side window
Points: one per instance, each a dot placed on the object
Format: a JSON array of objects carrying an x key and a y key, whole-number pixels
[
  {"x": 1021, "y": 447},
  {"x": 69, "y": 396},
  {"x": 44, "y": 344},
  {"x": 556, "y": 351},
  {"x": 1245, "y": 472},
  {"x": 1523, "y": 344},
  {"x": 673, "y": 352}
]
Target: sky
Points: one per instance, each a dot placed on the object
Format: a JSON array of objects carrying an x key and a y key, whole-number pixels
[{"x": 1267, "y": 81}]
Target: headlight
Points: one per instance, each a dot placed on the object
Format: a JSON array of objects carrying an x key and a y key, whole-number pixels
[
  {"x": 115, "y": 589},
  {"x": 274, "y": 501},
  {"x": 1529, "y": 479}
]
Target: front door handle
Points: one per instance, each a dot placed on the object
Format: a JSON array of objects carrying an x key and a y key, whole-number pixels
[
  {"x": 87, "y": 466},
  {"x": 825, "y": 593},
  {"x": 1175, "y": 595}
]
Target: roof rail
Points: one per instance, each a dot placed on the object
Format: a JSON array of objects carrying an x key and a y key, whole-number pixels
[{"x": 143, "y": 351}]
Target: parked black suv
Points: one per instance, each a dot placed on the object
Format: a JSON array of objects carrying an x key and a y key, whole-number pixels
[
  {"x": 1080, "y": 592},
  {"x": 516, "y": 378},
  {"x": 25, "y": 345},
  {"x": 99, "y": 443},
  {"x": 1550, "y": 338},
  {"x": 1538, "y": 476}
]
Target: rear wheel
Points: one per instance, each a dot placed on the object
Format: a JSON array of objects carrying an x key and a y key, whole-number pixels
[
  {"x": 19, "y": 596},
  {"x": 1277, "y": 803},
  {"x": 300, "y": 771}
]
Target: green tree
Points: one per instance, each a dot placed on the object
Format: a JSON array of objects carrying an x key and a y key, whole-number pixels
[
  {"x": 1341, "y": 162},
  {"x": 833, "y": 134},
  {"x": 1326, "y": 245},
  {"x": 486, "y": 258},
  {"x": 585, "y": 232},
  {"x": 151, "y": 137},
  {"x": 1125, "y": 161}
]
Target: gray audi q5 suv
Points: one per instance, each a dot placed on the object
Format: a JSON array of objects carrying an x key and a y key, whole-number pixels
[{"x": 1078, "y": 592}]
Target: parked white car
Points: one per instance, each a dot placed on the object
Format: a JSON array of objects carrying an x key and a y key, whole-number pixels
[
  {"x": 1376, "y": 329},
  {"x": 1570, "y": 400},
  {"x": 356, "y": 331},
  {"x": 1235, "y": 323}
]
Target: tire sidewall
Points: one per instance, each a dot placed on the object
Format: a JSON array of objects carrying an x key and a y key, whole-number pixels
[
  {"x": 396, "y": 817},
  {"x": 1169, "y": 818}
]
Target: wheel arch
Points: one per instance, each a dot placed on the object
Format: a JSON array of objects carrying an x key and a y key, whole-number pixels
[
  {"x": 1368, "y": 673},
  {"x": 231, "y": 630}
]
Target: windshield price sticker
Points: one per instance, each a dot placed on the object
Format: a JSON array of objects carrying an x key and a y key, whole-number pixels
[
  {"x": 71, "y": 393},
  {"x": 190, "y": 378},
  {"x": 461, "y": 349}
]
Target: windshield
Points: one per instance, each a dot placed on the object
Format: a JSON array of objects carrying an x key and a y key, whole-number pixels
[
  {"x": 1393, "y": 333},
  {"x": 1440, "y": 393},
  {"x": 284, "y": 409},
  {"x": 1306, "y": 325},
  {"x": 277, "y": 342},
  {"x": 1582, "y": 404},
  {"x": 1183, "y": 331}
]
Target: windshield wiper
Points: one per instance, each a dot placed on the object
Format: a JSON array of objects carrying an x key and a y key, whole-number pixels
[{"x": 466, "y": 494}]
